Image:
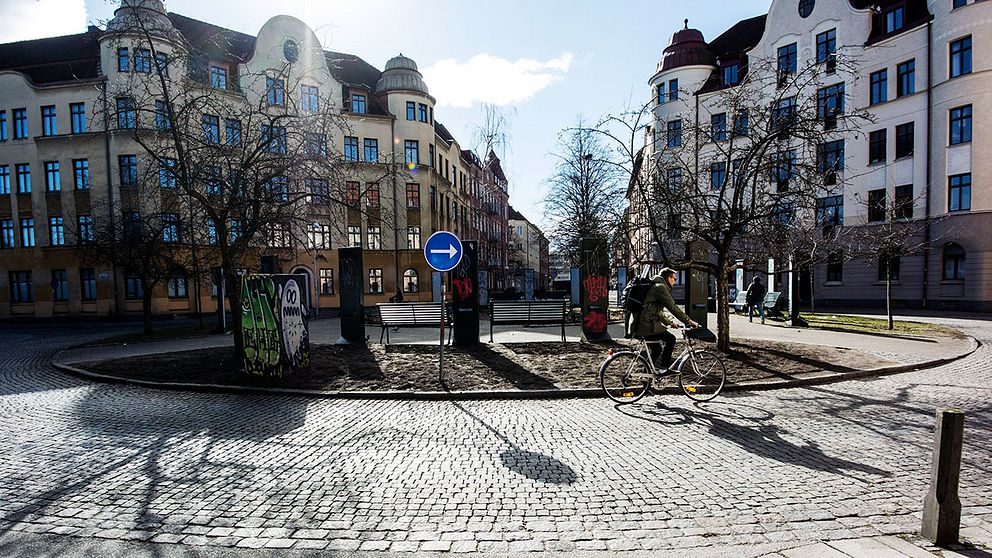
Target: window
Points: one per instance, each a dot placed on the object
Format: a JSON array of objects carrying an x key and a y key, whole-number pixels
[
  {"x": 783, "y": 115},
  {"x": 123, "y": 60},
  {"x": 275, "y": 94},
  {"x": 906, "y": 76},
  {"x": 829, "y": 104},
  {"x": 23, "y": 178},
  {"x": 375, "y": 281},
  {"x": 350, "y": 148},
  {"x": 904, "y": 140},
  {"x": 143, "y": 61},
  {"x": 412, "y": 194},
  {"x": 277, "y": 187},
  {"x": 211, "y": 234},
  {"x": 879, "y": 87},
  {"x": 955, "y": 4},
  {"x": 128, "y": 166},
  {"x": 660, "y": 91},
  {"x": 358, "y": 103},
  {"x": 20, "y": 123},
  {"x": 374, "y": 238},
  {"x": 218, "y": 77},
  {"x": 783, "y": 166},
  {"x": 411, "y": 281},
  {"x": 320, "y": 191},
  {"x": 894, "y": 19},
  {"x": 278, "y": 235},
  {"x": 959, "y": 192},
  {"x": 49, "y": 124},
  {"x": 411, "y": 110},
  {"x": 888, "y": 266},
  {"x": 371, "y": 150},
  {"x": 310, "y": 98},
  {"x": 674, "y": 179},
  {"x": 961, "y": 57},
  {"x": 372, "y": 195},
  {"x": 4, "y": 179},
  {"x": 674, "y": 133},
  {"x": 8, "y": 238},
  {"x": 830, "y": 211},
  {"x": 320, "y": 236},
  {"x": 27, "y": 232},
  {"x": 132, "y": 224},
  {"x": 673, "y": 90},
  {"x": 876, "y": 146},
  {"x": 788, "y": 63},
  {"x": 126, "y": 118},
  {"x": 741, "y": 123},
  {"x": 954, "y": 259},
  {"x": 161, "y": 115},
  {"x": 835, "y": 267},
  {"x": 170, "y": 227},
  {"x": 904, "y": 202},
  {"x": 422, "y": 112},
  {"x": 87, "y": 280},
  {"x": 53, "y": 182},
  {"x": 826, "y": 49},
  {"x": 56, "y": 231},
  {"x": 21, "y": 291},
  {"x": 85, "y": 228},
  {"x": 176, "y": 284},
  {"x": 236, "y": 229},
  {"x": 274, "y": 139},
  {"x": 355, "y": 236},
  {"x": 316, "y": 146},
  {"x": 3, "y": 125},
  {"x": 830, "y": 160},
  {"x": 413, "y": 238},
  {"x": 162, "y": 63},
  {"x": 433, "y": 193},
  {"x": 960, "y": 121},
  {"x": 326, "y": 277},
  {"x": 232, "y": 132},
  {"x": 412, "y": 151},
  {"x": 133, "y": 289},
  {"x": 352, "y": 194},
  {"x": 876, "y": 205},
  {"x": 211, "y": 128},
  {"x": 432, "y": 154},
  {"x": 718, "y": 126},
  {"x": 214, "y": 180},
  {"x": 718, "y": 175},
  {"x": 60, "y": 286},
  {"x": 167, "y": 173},
  {"x": 731, "y": 74}
]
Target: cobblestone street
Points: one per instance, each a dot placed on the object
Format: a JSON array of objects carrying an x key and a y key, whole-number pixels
[{"x": 757, "y": 471}]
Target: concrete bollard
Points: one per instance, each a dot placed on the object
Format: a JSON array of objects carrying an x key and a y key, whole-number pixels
[{"x": 941, "y": 507}]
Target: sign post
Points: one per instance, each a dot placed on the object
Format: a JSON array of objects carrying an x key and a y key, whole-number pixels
[{"x": 443, "y": 252}]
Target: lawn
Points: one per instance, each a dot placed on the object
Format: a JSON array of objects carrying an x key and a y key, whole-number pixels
[{"x": 861, "y": 324}]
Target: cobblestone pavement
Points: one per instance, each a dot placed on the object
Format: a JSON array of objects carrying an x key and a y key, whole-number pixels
[{"x": 744, "y": 475}]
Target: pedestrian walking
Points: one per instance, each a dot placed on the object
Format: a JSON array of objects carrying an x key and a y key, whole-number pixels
[{"x": 755, "y": 297}]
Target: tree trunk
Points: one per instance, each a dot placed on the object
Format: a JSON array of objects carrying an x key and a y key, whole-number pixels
[
  {"x": 232, "y": 283},
  {"x": 146, "y": 307},
  {"x": 888, "y": 292},
  {"x": 722, "y": 307}
]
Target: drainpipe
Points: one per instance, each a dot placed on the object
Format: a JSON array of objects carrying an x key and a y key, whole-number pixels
[
  {"x": 926, "y": 217},
  {"x": 110, "y": 189}
]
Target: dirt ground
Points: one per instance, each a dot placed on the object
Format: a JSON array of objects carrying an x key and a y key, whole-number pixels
[{"x": 526, "y": 366}]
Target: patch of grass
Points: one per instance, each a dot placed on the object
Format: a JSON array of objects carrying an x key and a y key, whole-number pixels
[
  {"x": 159, "y": 333},
  {"x": 861, "y": 324}
]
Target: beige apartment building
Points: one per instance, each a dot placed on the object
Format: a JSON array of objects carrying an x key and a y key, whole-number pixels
[
  {"x": 65, "y": 149},
  {"x": 925, "y": 75},
  {"x": 529, "y": 250}
]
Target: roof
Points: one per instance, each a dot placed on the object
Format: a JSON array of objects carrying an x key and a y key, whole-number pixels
[
  {"x": 742, "y": 36},
  {"x": 443, "y": 132},
  {"x": 515, "y": 215},
  {"x": 55, "y": 59}
]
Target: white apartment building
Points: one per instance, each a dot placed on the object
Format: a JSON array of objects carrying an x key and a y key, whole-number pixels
[{"x": 925, "y": 75}]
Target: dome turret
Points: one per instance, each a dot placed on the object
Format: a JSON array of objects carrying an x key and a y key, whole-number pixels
[
  {"x": 401, "y": 74},
  {"x": 687, "y": 48},
  {"x": 152, "y": 16}
]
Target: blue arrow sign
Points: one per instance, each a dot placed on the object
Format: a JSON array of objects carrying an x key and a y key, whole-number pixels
[{"x": 443, "y": 251}]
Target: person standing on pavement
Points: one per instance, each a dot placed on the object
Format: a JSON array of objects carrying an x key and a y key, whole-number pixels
[
  {"x": 653, "y": 322},
  {"x": 755, "y": 297}
]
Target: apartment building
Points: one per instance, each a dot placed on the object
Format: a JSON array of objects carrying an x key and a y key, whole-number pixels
[
  {"x": 528, "y": 255},
  {"x": 923, "y": 74},
  {"x": 65, "y": 148}
]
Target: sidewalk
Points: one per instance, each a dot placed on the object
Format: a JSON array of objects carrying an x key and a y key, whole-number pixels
[{"x": 907, "y": 546}]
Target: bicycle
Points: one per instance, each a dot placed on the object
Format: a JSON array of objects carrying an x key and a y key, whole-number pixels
[{"x": 627, "y": 374}]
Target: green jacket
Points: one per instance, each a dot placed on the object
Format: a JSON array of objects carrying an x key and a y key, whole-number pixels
[{"x": 653, "y": 319}]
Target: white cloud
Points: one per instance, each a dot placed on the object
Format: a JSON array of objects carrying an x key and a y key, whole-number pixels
[
  {"x": 35, "y": 19},
  {"x": 489, "y": 79}
]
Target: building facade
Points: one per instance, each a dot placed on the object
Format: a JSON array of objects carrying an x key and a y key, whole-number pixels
[
  {"x": 66, "y": 148},
  {"x": 528, "y": 254},
  {"x": 923, "y": 74}
]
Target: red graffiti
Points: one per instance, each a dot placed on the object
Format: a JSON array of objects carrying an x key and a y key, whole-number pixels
[
  {"x": 596, "y": 288},
  {"x": 594, "y": 322},
  {"x": 463, "y": 287}
]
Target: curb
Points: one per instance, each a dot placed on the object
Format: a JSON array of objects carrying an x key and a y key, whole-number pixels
[{"x": 575, "y": 393}]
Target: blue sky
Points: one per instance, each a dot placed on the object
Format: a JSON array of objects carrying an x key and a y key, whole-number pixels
[{"x": 546, "y": 63}]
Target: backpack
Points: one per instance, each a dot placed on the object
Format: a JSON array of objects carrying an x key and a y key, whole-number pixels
[{"x": 632, "y": 301}]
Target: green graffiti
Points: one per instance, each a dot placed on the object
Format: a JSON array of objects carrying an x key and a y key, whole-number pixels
[{"x": 262, "y": 328}]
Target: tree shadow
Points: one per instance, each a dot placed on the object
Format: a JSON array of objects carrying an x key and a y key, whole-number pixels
[
  {"x": 811, "y": 362},
  {"x": 517, "y": 375}
]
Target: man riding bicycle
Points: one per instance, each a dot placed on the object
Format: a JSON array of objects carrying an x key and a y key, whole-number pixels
[{"x": 653, "y": 322}]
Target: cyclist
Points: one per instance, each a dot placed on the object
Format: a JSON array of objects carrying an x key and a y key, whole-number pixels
[{"x": 653, "y": 322}]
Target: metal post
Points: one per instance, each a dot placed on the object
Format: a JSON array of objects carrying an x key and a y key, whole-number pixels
[
  {"x": 440, "y": 360},
  {"x": 941, "y": 507}
]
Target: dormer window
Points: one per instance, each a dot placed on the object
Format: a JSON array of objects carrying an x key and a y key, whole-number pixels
[
  {"x": 731, "y": 74},
  {"x": 218, "y": 77},
  {"x": 894, "y": 19},
  {"x": 358, "y": 103}
]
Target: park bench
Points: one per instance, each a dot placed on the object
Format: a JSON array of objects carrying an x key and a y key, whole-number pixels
[
  {"x": 527, "y": 312},
  {"x": 773, "y": 303},
  {"x": 739, "y": 304},
  {"x": 410, "y": 314}
]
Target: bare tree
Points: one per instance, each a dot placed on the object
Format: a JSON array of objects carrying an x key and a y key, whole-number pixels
[{"x": 585, "y": 193}]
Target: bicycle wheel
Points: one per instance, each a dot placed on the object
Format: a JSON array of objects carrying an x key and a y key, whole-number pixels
[
  {"x": 625, "y": 377},
  {"x": 702, "y": 376}
]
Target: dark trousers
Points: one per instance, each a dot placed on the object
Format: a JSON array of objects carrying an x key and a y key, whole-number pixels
[{"x": 666, "y": 354}]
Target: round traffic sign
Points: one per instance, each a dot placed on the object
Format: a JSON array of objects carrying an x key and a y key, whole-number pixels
[{"x": 443, "y": 251}]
